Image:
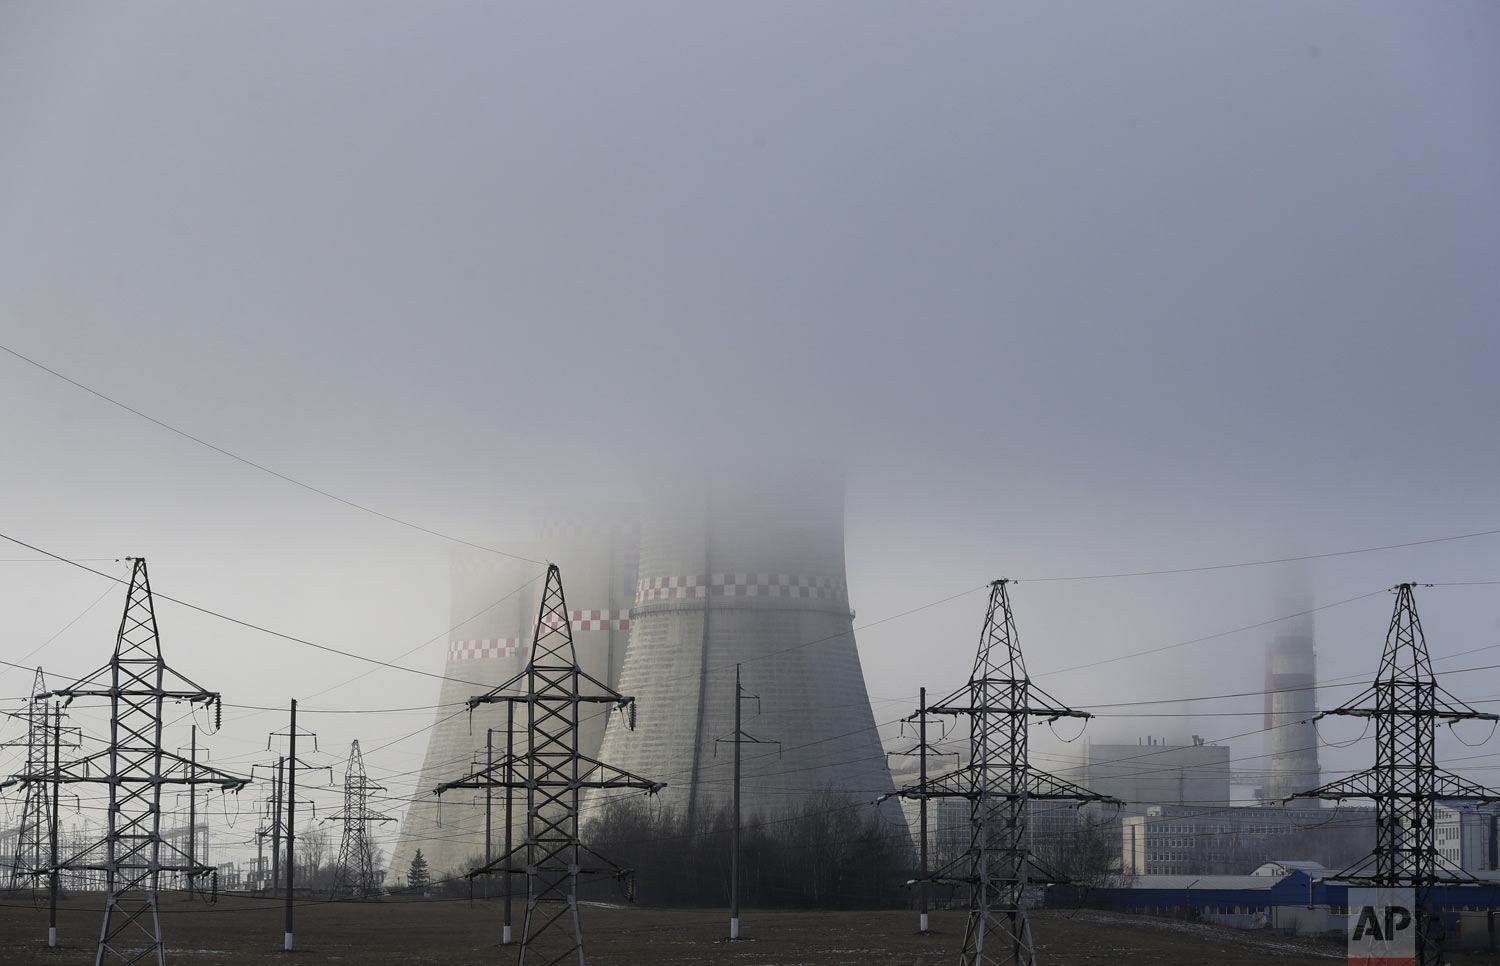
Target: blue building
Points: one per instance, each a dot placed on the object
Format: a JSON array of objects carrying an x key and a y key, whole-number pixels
[{"x": 1294, "y": 903}]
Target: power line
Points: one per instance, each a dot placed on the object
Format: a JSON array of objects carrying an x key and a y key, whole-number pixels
[
  {"x": 1262, "y": 563},
  {"x": 1210, "y": 637},
  {"x": 259, "y": 466},
  {"x": 242, "y": 623}
]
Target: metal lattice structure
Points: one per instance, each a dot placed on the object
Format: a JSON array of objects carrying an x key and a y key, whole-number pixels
[
  {"x": 553, "y": 773},
  {"x": 135, "y": 768},
  {"x": 32, "y": 830},
  {"x": 354, "y": 874},
  {"x": 1406, "y": 704},
  {"x": 1000, "y": 783}
]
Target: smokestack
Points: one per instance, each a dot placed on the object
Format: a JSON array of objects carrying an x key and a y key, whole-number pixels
[{"x": 1290, "y": 704}]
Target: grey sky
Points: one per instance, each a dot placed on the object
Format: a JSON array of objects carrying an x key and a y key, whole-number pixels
[{"x": 1070, "y": 288}]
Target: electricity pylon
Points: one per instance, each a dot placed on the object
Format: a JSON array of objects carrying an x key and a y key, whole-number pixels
[
  {"x": 999, "y": 782},
  {"x": 354, "y": 874},
  {"x": 32, "y": 830},
  {"x": 135, "y": 767},
  {"x": 1405, "y": 782},
  {"x": 553, "y": 774}
]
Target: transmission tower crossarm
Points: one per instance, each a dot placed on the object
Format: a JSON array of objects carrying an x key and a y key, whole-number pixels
[
  {"x": 953, "y": 784},
  {"x": 596, "y": 774},
  {"x": 1044, "y": 785},
  {"x": 1450, "y": 787},
  {"x": 1361, "y": 784},
  {"x": 1038, "y": 710},
  {"x": 1445, "y": 712}
]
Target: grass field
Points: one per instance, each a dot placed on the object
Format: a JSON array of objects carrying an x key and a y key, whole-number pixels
[{"x": 244, "y": 930}]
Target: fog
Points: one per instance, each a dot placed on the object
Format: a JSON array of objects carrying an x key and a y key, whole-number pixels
[{"x": 1065, "y": 292}]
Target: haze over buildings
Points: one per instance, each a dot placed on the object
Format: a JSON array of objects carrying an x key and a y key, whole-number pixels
[{"x": 1075, "y": 291}]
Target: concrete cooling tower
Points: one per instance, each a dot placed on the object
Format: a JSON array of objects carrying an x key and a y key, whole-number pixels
[
  {"x": 598, "y": 552},
  {"x": 1291, "y": 703},
  {"x": 748, "y": 573},
  {"x": 490, "y": 643}
]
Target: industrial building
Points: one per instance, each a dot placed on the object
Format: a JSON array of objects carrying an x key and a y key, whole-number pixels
[
  {"x": 1467, "y": 835},
  {"x": 1154, "y": 772},
  {"x": 1191, "y": 840}
]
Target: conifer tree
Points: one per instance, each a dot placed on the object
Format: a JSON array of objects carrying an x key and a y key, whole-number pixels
[{"x": 417, "y": 877}]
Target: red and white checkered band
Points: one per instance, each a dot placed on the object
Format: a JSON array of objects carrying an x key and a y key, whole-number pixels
[
  {"x": 470, "y": 650},
  {"x": 600, "y": 620},
  {"x": 578, "y": 620},
  {"x": 670, "y": 588},
  {"x": 741, "y": 585},
  {"x": 590, "y": 620}
]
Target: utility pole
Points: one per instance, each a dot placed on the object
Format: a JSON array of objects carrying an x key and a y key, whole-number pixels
[
  {"x": 291, "y": 827},
  {"x": 738, "y": 738},
  {"x": 1405, "y": 782},
  {"x": 276, "y": 784},
  {"x": 489, "y": 766},
  {"x": 734, "y": 862},
  {"x": 192, "y": 811},
  {"x": 551, "y": 688},
  {"x": 56, "y": 875},
  {"x": 922, "y": 750},
  {"x": 922, "y": 777},
  {"x": 134, "y": 767},
  {"x": 510, "y": 752},
  {"x": 288, "y": 768},
  {"x": 999, "y": 782}
]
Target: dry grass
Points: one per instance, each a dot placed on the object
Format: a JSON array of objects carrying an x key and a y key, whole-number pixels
[{"x": 244, "y": 930}]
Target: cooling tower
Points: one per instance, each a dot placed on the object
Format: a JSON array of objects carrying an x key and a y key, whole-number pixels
[
  {"x": 596, "y": 550},
  {"x": 748, "y": 573},
  {"x": 1291, "y": 703},
  {"x": 488, "y": 644}
]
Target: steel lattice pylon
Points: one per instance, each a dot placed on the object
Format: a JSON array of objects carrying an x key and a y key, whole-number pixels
[
  {"x": 553, "y": 774},
  {"x": 33, "y": 828},
  {"x": 999, "y": 782},
  {"x": 136, "y": 766},
  {"x": 355, "y": 872},
  {"x": 1405, "y": 782}
]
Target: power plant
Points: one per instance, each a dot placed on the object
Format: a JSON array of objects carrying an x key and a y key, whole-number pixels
[{"x": 664, "y": 602}]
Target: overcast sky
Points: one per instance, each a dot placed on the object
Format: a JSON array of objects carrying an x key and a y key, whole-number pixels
[{"x": 1070, "y": 289}]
